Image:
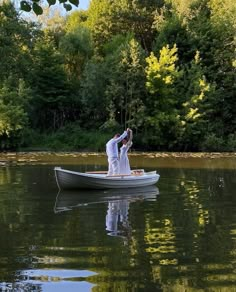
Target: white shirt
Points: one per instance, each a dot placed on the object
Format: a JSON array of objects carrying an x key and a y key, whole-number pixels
[{"x": 111, "y": 146}]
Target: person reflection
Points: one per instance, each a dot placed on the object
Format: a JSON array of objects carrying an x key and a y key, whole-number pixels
[{"x": 117, "y": 223}]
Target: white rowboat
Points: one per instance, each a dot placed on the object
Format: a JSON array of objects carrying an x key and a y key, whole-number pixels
[{"x": 67, "y": 179}]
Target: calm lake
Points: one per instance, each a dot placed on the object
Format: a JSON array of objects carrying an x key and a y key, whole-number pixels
[{"x": 179, "y": 235}]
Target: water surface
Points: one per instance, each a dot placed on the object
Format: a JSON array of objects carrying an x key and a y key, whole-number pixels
[{"x": 179, "y": 235}]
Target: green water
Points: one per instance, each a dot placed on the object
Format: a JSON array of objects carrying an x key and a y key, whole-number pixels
[{"x": 177, "y": 236}]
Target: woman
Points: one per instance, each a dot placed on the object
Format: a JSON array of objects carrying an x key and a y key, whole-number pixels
[
  {"x": 112, "y": 153},
  {"x": 124, "y": 160}
]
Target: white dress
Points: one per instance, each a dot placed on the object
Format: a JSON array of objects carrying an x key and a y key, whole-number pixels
[{"x": 124, "y": 160}]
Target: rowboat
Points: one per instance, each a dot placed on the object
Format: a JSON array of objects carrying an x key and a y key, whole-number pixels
[
  {"x": 67, "y": 179},
  {"x": 67, "y": 200}
]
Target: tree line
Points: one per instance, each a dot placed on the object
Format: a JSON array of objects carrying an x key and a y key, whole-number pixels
[{"x": 165, "y": 68}]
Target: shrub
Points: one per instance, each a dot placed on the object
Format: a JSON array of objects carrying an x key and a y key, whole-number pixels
[
  {"x": 213, "y": 143},
  {"x": 69, "y": 138},
  {"x": 231, "y": 143}
]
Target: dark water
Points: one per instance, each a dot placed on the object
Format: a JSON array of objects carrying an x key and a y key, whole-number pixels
[{"x": 177, "y": 236}]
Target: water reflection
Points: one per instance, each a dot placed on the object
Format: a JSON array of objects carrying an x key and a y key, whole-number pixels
[
  {"x": 182, "y": 240},
  {"x": 67, "y": 200},
  {"x": 118, "y": 203},
  {"x": 50, "y": 280},
  {"x": 117, "y": 222}
]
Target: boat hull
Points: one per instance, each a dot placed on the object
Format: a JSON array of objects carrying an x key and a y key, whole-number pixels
[{"x": 67, "y": 179}]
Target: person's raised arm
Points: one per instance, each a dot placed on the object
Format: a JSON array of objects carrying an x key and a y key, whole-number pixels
[
  {"x": 129, "y": 143},
  {"x": 119, "y": 139}
]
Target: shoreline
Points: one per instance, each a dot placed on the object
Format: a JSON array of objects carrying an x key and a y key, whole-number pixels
[{"x": 212, "y": 160}]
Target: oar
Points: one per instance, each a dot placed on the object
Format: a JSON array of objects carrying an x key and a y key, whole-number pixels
[{"x": 97, "y": 172}]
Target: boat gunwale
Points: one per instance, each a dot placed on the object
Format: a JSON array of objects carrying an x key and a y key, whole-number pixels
[{"x": 103, "y": 176}]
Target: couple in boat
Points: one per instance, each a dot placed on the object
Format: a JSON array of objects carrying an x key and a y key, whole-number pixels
[{"x": 119, "y": 163}]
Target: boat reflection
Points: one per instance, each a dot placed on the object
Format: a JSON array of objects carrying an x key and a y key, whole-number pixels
[
  {"x": 118, "y": 203},
  {"x": 68, "y": 200}
]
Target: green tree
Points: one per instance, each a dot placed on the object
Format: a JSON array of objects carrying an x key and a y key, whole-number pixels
[
  {"x": 13, "y": 111},
  {"x": 223, "y": 23},
  {"x": 92, "y": 91},
  {"x": 53, "y": 104},
  {"x": 196, "y": 93},
  {"x": 126, "y": 87},
  {"x": 173, "y": 30},
  {"x": 109, "y": 18},
  {"x": 213, "y": 34},
  {"x": 76, "y": 19},
  {"x": 16, "y": 40},
  {"x": 182, "y": 7},
  {"x": 223, "y": 14},
  {"x": 77, "y": 48},
  {"x": 162, "y": 115}
]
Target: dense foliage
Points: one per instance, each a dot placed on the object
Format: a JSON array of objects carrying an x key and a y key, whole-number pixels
[{"x": 164, "y": 68}]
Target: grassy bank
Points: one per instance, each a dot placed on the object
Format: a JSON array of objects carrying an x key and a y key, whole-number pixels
[
  {"x": 73, "y": 138},
  {"x": 66, "y": 139}
]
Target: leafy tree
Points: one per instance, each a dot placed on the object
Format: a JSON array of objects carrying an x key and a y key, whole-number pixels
[
  {"x": 162, "y": 116},
  {"x": 53, "y": 104},
  {"x": 109, "y": 18},
  {"x": 16, "y": 39},
  {"x": 223, "y": 22},
  {"x": 182, "y": 7},
  {"x": 76, "y": 19},
  {"x": 126, "y": 86},
  {"x": 196, "y": 104},
  {"x": 172, "y": 31},
  {"x": 77, "y": 47},
  {"x": 99, "y": 21},
  {"x": 13, "y": 111},
  {"x": 161, "y": 72},
  {"x": 214, "y": 36},
  {"x": 92, "y": 91},
  {"x": 223, "y": 13}
]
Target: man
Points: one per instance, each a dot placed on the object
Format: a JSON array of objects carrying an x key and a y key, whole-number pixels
[{"x": 112, "y": 153}]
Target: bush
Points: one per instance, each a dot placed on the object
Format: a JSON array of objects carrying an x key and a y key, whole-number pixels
[
  {"x": 213, "y": 143},
  {"x": 69, "y": 138},
  {"x": 231, "y": 143}
]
